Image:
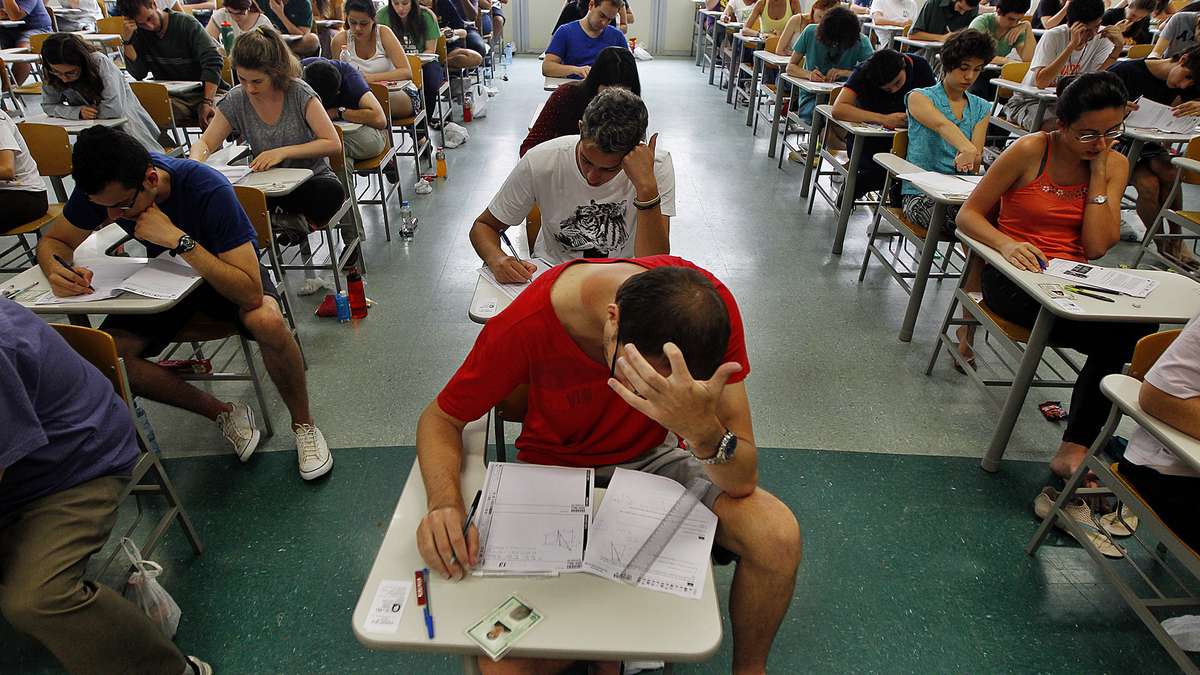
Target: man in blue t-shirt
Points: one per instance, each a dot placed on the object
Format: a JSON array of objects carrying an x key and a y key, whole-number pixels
[
  {"x": 66, "y": 453},
  {"x": 190, "y": 210},
  {"x": 36, "y": 20},
  {"x": 346, "y": 96},
  {"x": 575, "y": 45}
]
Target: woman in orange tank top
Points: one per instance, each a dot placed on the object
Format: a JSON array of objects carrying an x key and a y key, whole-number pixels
[{"x": 1059, "y": 196}]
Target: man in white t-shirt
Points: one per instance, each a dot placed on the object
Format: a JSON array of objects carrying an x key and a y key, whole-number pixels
[
  {"x": 602, "y": 194},
  {"x": 1171, "y": 393},
  {"x": 1080, "y": 46},
  {"x": 891, "y": 13}
]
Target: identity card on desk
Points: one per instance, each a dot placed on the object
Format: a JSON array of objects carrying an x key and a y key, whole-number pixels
[
  {"x": 1101, "y": 277},
  {"x": 164, "y": 278}
]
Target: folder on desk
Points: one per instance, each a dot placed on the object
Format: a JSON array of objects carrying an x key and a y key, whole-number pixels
[{"x": 164, "y": 278}]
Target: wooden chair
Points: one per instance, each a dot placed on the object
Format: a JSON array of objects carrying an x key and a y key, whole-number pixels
[
  {"x": 1156, "y": 583},
  {"x": 33, "y": 88},
  {"x": 1139, "y": 51},
  {"x": 1013, "y": 72},
  {"x": 148, "y": 477},
  {"x": 1188, "y": 221},
  {"x": 254, "y": 203},
  {"x": 377, "y": 166},
  {"x": 422, "y": 142},
  {"x": 7, "y": 90},
  {"x": 50, "y": 147},
  {"x": 155, "y": 98}
]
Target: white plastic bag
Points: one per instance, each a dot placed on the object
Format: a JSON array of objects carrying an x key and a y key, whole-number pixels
[
  {"x": 145, "y": 591},
  {"x": 479, "y": 105},
  {"x": 455, "y": 134},
  {"x": 1185, "y": 630},
  {"x": 642, "y": 55}
]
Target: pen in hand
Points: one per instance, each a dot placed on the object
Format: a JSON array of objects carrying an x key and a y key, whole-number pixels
[
  {"x": 506, "y": 240},
  {"x": 67, "y": 265},
  {"x": 467, "y": 523}
]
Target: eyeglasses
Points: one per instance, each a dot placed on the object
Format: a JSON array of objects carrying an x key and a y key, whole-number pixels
[
  {"x": 359, "y": 24},
  {"x": 128, "y": 204},
  {"x": 1111, "y": 134}
]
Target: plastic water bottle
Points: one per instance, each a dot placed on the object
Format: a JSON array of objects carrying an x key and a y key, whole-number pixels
[
  {"x": 508, "y": 53},
  {"x": 408, "y": 224},
  {"x": 342, "y": 302},
  {"x": 147, "y": 429},
  {"x": 440, "y": 156},
  {"x": 344, "y": 56},
  {"x": 358, "y": 294},
  {"x": 227, "y": 36},
  {"x": 468, "y": 104}
]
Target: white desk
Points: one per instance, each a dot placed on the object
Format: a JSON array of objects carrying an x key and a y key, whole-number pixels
[
  {"x": 289, "y": 38},
  {"x": 861, "y": 133},
  {"x": 762, "y": 58},
  {"x": 1044, "y": 98},
  {"x": 1124, "y": 391},
  {"x": 536, "y": 114},
  {"x": 177, "y": 86},
  {"x": 820, "y": 91},
  {"x": 397, "y": 85},
  {"x": 20, "y": 57},
  {"x": 886, "y": 33},
  {"x": 427, "y": 58},
  {"x": 276, "y": 182},
  {"x": 487, "y": 301},
  {"x": 74, "y": 126},
  {"x": 331, "y": 24},
  {"x": 1175, "y": 301},
  {"x": 587, "y": 617},
  {"x": 740, "y": 42},
  {"x": 929, "y": 48},
  {"x": 553, "y": 83},
  {"x": 1138, "y": 138},
  {"x": 6, "y": 23},
  {"x": 347, "y": 127},
  {"x": 99, "y": 37}
]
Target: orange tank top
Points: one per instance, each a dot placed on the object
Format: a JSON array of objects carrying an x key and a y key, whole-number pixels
[{"x": 1045, "y": 214}]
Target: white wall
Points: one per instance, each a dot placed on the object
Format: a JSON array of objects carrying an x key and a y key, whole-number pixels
[{"x": 661, "y": 26}]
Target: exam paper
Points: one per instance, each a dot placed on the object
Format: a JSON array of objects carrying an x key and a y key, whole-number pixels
[
  {"x": 941, "y": 183},
  {"x": 634, "y": 504},
  {"x": 1158, "y": 117},
  {"x": 1101, "y": 277},
  {"x": 533, "y": 519},
  {"x": 234, "y": 172},
  {"x": 513, "y": 290},
  {"x": 165, "y": 278}
]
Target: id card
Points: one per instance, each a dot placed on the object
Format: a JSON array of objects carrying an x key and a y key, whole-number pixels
[{"x": 502, "y": 627}]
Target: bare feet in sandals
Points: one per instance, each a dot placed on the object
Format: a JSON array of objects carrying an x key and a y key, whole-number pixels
[
  {"x": 1068, "y": 459},
  {"x": 966, "y": 341}
]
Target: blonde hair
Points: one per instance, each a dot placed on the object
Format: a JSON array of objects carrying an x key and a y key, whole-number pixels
[{"x": 263, "y": 49}]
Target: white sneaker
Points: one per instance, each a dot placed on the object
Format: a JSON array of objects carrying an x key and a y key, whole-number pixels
[
  {"x": 1130, "y": 231},
  {"x": 238, "y": 427},
  {"x": 312, "y": 452},
  {"x": 199, "y": 667},
  {"x": 313, "y": 285}
]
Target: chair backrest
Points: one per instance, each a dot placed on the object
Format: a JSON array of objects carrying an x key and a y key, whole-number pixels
[
  {"x": 157, "y": 101},
  {"x": 50, "y": 147},
  {"x": 441, "y": 50},
  {"x": 1139, "y": 51},
  {"x": 110, "y": 24},
  {"x": 254, "y": 203},
  {"x": 98, "y": 349},
  {"x": 414, "y": 67},
  {"x": 900, "y": 144},
  {"x": 1013, "y": 72},
  {"x": 772, "y": 43},
  {"x": 1147, "y": 351},
  {"x": 1192, "y": 152},
  {"x": 381, "y": 94},
  {"x": 227, "y": 70},
  {"x": 36, "y": 41},
  {"x": 337, "y": 162},
  {"x": 1178, "y": 5}
]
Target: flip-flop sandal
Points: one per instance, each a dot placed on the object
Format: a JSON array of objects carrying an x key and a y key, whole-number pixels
[
  {"x": 1120, "y": 523},
  {"x": 1079, "y": 512}
]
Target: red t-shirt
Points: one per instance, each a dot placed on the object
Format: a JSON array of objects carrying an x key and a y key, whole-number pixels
[{"x": 574, "y": 418}]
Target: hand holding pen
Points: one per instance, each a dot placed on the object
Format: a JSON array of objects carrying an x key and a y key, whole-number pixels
[
  {"x": 510, "y": 269},
  {"x": 67, "y": 280}
]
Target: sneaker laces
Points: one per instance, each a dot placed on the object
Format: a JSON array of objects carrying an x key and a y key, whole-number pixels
[
  {"x": 230, "y": 428},
  {"x": 306, "y": 440}
]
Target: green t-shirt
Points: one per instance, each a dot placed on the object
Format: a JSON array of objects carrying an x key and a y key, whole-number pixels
[
  {"x": 986, "y": 24},
  {"x": 428, "y": 30},
  {"x": 299, "y": 12}
]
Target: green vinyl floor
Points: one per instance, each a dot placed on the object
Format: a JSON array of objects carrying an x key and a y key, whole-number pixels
[{"x": 912, "y": 564}]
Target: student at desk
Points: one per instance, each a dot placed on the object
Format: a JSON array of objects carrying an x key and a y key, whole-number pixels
[
  {"x": 36, "y": 19},
  {"x": 241, "y": 15},
  {"x": 86, "y": 21},
  {"x": 576, "y": 45},
  {"x": 283, "y": 121},
  {"x": 189, "y": 208},
  {"x": 1133, "y": 20},
  {"x": 875, "y": 93},
  {"x": 1009, "y": 30},
  {"x": 65, "y": 456},
  {"x": 1059, "y": 196},
  {"x": 891, "y": 13},
  {"x": 602, "y": 193},
  {"x": 1171, "y": 393},
  {"x": 83, "y": 83},
  {"x": 294, "y": 17},
  {"x": 172, "y": 46},
  {"x": 22, "y": 190},
  {"x": 827, "y": 52},
  {"x": 637, "y": 363},
  {"x": 771, "y": 16},
  {"x": 377, "y": 53},
  {"x": 417, "y": 30},
  {"x": 1171, "y": 82},
  {"x": 345, "y": 96},
  {"x": 1049, "y": 14},
  {"x": 939, "y": 18},
  {"x": 1178, "y": 36},
  {"x": 797, "y": 24},
  {"x": 1081, "y": 46},
  {"x": 615, "y": 67}
]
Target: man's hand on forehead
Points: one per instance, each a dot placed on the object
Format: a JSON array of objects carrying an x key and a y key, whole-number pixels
[{"x": 680, "y": 403}]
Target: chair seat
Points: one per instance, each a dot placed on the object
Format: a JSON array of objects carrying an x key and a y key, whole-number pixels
[
  {"x": 34, "y": 89},
  {"x": 36, "y": 224},
  {"x": 1013, "y": 331},
  {"x": 1193, "y": 216},
  {"x": 410, "y": 120},
  {"x": 898, "y": 216},
  {"x": 1114, "y": 467},
  {"x": 373, "y": 163}
]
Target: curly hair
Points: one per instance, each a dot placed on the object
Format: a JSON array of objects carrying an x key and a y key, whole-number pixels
[
  {"x": 967, "y": 44},
  {"x": 615, "y": 121},
  {"x": 839, "y": 29}
]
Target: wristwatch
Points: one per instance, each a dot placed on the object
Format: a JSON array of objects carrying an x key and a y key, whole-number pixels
[
  {"x": 725, "y": 449},
  {"x": 185, "y": 244},
  {"x": 1098, "y": 199},
  {"x": 342, "y": 112}
]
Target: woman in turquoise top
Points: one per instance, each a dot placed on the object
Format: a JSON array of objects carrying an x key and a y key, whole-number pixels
[
  {"x": 947, "y": 125},
  {"x": 827, "y": 52}
]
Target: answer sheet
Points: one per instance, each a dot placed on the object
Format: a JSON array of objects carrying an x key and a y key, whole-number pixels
[
  {"x": 946, "y": 185},
  {"x": 634, "y": 504},
  {"x": 164, "y": 278},
  {"x": 533, "y": 519},
  {"x": 1155, "y": 116},
  {"x": 1119, "y": 281},
  {"x": 513, "y": 290}
]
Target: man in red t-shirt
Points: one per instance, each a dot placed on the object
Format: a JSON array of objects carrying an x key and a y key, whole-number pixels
[{"x": 600, "y": 347}]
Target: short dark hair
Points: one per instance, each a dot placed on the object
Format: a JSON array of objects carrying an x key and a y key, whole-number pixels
[
  {"x": 130, "y": 8},
  {"x": 1190, "y": 60},
  {"x": 679, "y": 305},
  {"x": 1089, "y": 92},
  {"x": 967, "y": 44},
  {"x": 1150, "y": 6},
  {"x": 104, "y": 155},
  {"x": 1086, "y": 11},
  {"x": 325, "y": 79},
  {"x": 239, "y": 4},
  {"x": 364, "y": 7},
  {"x": 972, "y": 3},
  {"x": 839, "y": 28},
  {"x": 615, "y": 121},
  {"x": 1014, "y": 7},
  {"x": 883, "y": 67}
]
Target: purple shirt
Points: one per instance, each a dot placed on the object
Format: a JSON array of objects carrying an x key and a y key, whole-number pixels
[
  {"x": 63, "y": 423},
  {"x": 35, "y": 15}
]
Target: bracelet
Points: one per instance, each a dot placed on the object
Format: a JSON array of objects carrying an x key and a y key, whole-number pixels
[{"x": 643, "y": 206}]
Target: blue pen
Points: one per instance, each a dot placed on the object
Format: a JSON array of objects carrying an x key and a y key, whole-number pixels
[{"x": 428, "y": 614}]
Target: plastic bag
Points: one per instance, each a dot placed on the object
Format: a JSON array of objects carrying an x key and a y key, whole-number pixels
[
  {"x": 144, "y": 591},
  {"x": 455, "y": 134},
  {"x": 1185, "y": 630},
  {"x": 642, "y": 55}
]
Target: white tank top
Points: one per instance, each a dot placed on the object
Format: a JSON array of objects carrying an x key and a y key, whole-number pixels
[{"x": 377, "y": 63}]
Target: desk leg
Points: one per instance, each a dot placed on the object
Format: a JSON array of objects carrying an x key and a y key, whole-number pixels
[
  {"x": 922, "y": 276},
  {"x": 734, "y": 62},
  {"x": 1039, "y": 116},
  {"x": 1038, "y": 337},
  {"x": 79, "y": 320},
  {"x": 779, "y": 98},
  {"x": 716, "y": 49},
  {"x": 1135, "y": 153},
  {"x": 755, "y": 77},
  {"x": 810, "y": 161},
  {"x": 847, "y": 201}
]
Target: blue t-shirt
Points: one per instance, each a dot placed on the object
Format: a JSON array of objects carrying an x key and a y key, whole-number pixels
[
  {"x": 202, "y": 204},
  {"x": 577, "y": 48},
  {"x": 929, "y": 150},
  {"x": 35, "y": 15},
  {"x": 354, "y": 85},
  {"x": 63, "y": 423}
]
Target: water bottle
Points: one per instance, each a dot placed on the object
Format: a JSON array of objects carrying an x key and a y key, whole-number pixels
[
  {"x": 508, "y": 53},
  {"x": 227, "y": 37},
  {"x": 344, "y": 56},
  {"x": 342, "y": 302},
  {"x": 358, "y": 294},
  {"x": 440, "y": 156},
  {"x": 408, "y": 224},
  {"x": 147, "y": 429},
  {"x": 468, "y": 103}
]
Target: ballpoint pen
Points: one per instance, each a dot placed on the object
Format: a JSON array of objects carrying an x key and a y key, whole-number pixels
[{"x": 1078, "y": 291}]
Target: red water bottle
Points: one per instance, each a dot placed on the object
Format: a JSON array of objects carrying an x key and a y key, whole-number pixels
[
  {"x": 358, "y": 294},
  {"x": 468, "y": 103}
]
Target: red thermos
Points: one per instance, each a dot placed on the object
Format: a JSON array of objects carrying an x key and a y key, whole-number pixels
[{"x": 358, "y": 294}]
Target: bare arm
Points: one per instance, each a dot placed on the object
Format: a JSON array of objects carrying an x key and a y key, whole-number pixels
[
  {"x": 395, "y": 54},
  {"x": 923, "y": 111},
  {"x": 485, "y": 238},
  {"x": 368, "y": 112},
  {"x": 14, "y": 11},
  {"x": 1102, "y": 222},
  {"x": 754, "y": 15},
  {"x": 61, "y": 239},
  {"x": 788, "y": 37},
  {"x": 1007, "y": 173},
  {"x": 8, "y": 165},
  {"x": 1178, "y": 413},
  {"x": 440, "y": 455},
  {"x": 1160, "y": 48},
  {"x": 212, "y": 138},
  {"x": 795, "y": 66},
  {"x": 233, "y": 273},
  {"x": 1026, "y": 49},
  {"x": 553, "y": 66}
]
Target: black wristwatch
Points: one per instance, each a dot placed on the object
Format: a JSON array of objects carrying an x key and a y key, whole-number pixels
[
  {"x": 185, "y": 244},
  {"x": 342, "y": 113}
]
